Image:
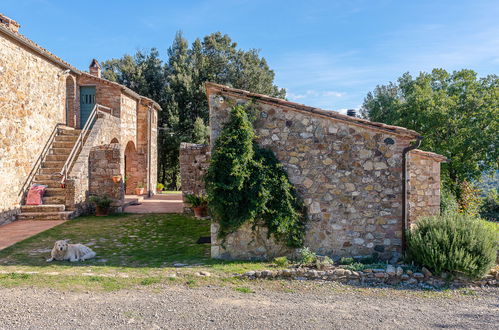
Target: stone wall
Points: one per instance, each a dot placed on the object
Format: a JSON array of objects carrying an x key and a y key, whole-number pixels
[
  {"x": 128, "y": 115},
  {"x": 104, "y": 163},
  {"x": 423, "y": 189},
  {"x": 153, "y": 176},
  {"x": 108, "y": 95},
  {"x": 32, "y": 102},
  {"x": 348, "y": 174},
  {"x": 105, "y": 128},
  {"x": 194, "y": 161}
]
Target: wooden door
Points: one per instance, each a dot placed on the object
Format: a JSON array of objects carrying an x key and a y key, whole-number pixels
[{"x": 87, "y": 103}]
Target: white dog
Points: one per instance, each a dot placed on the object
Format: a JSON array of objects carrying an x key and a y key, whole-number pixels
[{"x": 72, "y": 252}]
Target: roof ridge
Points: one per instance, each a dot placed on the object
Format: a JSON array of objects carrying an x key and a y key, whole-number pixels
[
  {"x": 314, "y": 110},
  {"x": 37, "y": 48}
]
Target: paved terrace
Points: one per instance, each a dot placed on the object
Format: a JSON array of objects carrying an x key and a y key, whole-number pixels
[{"x": 164, "y": 203}]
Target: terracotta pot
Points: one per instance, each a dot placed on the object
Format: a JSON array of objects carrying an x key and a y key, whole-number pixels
[
  {"x": 101, "y": 211},
  {"x": 200, "y": 211},
  {"x": 116, "y": 178},
  {"x": 139, "y": 191},
  {"x": 159, "y": 191}
]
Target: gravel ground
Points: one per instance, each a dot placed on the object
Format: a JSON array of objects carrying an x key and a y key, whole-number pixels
[{"x": 178, "y": 307}]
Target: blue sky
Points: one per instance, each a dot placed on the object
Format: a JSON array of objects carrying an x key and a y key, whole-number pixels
[{"x": 327, "y": 54}]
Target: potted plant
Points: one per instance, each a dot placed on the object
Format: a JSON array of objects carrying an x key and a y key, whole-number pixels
[
  {"x": 159, "y": 188},
  {"x": 102, "y": 205},
  {"x": 139, "y": 190},
  {"x": 199, "y": 204},
  {"x": 116, "y": 178}
]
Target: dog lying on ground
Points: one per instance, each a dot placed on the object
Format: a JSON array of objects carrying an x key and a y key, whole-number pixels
[{"x": 73, "y": 252}]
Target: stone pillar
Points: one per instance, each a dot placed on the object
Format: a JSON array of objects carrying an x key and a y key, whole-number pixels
[
  {"x": 194, "y": 161},
  {"x": 423, "y": 190},
  {"x": 104, "y": 164}
]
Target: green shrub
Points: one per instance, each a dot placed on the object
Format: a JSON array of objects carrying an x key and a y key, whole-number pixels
[
  {"x": 101, "y": 201},
  {"x": 281, "y": 261},
  {"x": 323, "y": 261},
  {"x": 489, "y": 209},
  {"x": 359, "y": 266},
  {"x": 454, "y": 243},
  {"x": 448, "y": 202},
  {"x": 346, "y": 261},
  {"x": 306, "y": 257},
  {"x": 247, "y": 184},
  {"x": 196, "y": 200}
]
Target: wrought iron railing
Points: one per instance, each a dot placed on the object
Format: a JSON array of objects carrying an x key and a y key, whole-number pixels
[{"x": 81, "y": 141}]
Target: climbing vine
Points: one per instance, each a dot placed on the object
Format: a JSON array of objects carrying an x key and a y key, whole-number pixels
[{"x": 246, "y": 184}]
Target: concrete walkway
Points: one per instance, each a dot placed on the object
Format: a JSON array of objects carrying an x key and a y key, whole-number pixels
[
  {"x": 164, "y": 203},
  {"x": 19, "y": 230}
]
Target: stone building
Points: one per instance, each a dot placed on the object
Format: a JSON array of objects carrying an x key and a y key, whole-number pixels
[
  {"x": 362, "y": 182},
  {"x": 71, "y": 130}
]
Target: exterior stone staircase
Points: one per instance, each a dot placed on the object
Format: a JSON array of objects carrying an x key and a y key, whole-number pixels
[{"x": 53, "y": 207}]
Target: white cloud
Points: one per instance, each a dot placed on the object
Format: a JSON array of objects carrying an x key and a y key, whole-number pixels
[{"x": 314, "y": 93}]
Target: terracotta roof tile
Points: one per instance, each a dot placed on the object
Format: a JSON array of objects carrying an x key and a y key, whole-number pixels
[{"x": 428, "y": 154}]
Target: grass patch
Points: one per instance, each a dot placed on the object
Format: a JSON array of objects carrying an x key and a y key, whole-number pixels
[
  {"x": 243, "y": 289},
  {"x": 150, "y": 280},
  {"x": 154, "y": 240}
]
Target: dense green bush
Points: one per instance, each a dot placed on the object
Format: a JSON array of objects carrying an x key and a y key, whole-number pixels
[
  {"x": 448, "y": 202},
  {"x": 454, "y": 243},
  {"x": 489, "y": 209},
  {"x": 246, "y": 184},
  {"x": 281, "y": 261}
]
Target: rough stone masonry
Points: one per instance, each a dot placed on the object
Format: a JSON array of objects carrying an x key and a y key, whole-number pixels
[{"x": 348, "y": 171}]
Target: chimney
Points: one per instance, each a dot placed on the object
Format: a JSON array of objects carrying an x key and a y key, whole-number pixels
[
  {"x": 9, "y": 23},
  {"x": 351, "y": 113},
  {"x": 94, "y": 68}
]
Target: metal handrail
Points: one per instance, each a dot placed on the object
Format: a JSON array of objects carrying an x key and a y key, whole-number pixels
[
  {"x": 41, "y": 157},
  {"x": 80, "y": 141}
]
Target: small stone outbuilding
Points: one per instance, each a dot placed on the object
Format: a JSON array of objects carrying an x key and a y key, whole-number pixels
[
  {"x": 362, "y": 182},
  {"x": 44, "y": 104}
]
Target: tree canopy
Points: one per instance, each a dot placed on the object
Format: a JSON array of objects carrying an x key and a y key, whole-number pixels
[
  {"x": 457, "y": 113},
  {"x": 178, "y": 86}
]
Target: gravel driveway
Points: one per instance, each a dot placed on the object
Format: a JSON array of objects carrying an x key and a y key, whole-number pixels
[{"x": 176, "y": 307}]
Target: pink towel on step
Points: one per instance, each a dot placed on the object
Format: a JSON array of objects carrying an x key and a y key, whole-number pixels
[{"x": 35, "y": 194}]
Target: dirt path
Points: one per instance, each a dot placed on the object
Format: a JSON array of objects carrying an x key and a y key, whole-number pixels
[{"x": 178, "y": 307}]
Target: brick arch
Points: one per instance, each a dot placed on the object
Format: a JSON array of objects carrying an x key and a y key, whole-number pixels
[{"x": 70, "y": 106}]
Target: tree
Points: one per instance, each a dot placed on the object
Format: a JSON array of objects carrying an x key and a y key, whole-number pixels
[
  {"x": 246, "y": 184},
  {"x": 457, "y": 113},
  {"x": 178, "y": 87}
]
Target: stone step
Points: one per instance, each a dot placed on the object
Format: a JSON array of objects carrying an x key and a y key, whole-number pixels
[
  {"x": 49, "y": 171},
  {"x": 57, "y": 164},
  {"x": 62, "y": 144},
  {"x": 54, "y": 199},
  {"x": 60, "y": 151},
  {"x": 52, "y": 158},
  {"x": 49, "y": 183},
  {"x": 55, "y": 192},
  {"x": 64, "y": 215},
  {"x": 47, "y": 177},
  {"x": 68, "y": 131},
  {"x": 43, "y": 208},
  {"x": 66, "y": 138}
]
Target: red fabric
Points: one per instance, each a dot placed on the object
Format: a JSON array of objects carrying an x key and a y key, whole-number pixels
[{"x": 35, "y": 194}]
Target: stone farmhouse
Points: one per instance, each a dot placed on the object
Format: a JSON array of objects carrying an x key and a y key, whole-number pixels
[
  {"x": 73, "y": 131},
  {"x": 363, "y": 183}
]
